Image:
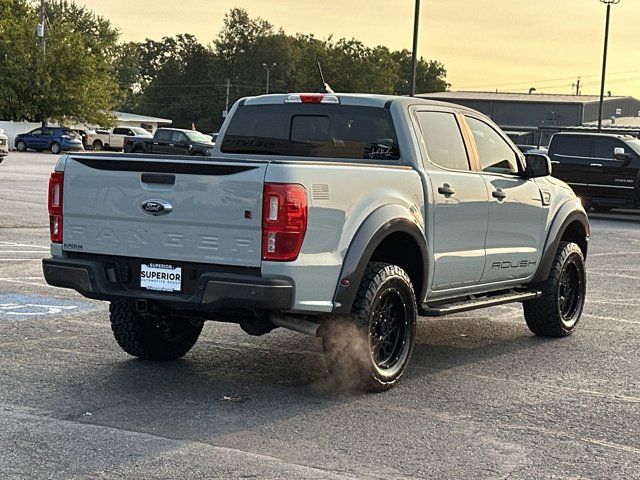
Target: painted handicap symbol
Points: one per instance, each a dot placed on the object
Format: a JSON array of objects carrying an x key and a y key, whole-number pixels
[{"x": 31, "y": 309}]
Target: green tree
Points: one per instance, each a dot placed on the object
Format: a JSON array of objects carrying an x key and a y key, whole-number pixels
[
  {"x": 17, "y": 58},
  {"x": 430, "y": 74},
  {"x": 179, "y": 78},
  {"x": 73, "y": 81}
]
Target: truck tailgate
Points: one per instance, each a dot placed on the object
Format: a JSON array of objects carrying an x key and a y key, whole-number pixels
[{"x": 189, "y": 210}]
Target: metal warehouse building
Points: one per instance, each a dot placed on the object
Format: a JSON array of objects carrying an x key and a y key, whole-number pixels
[{"x": 522, "y": 115}]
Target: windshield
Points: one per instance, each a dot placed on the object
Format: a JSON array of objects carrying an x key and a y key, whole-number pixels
[
  {"x": 313, "y": 130},
  {"x": 197, "y": 137},
  {"x": 635, "y": 145},
  {"x": 141, "y": 132}
]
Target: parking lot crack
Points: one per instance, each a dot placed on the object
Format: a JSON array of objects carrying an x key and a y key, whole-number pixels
[{"x": 12, "y": 410}]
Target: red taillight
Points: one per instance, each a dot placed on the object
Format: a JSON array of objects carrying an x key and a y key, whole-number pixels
[
  {"x": 284, "y": 221},
  {"x": 311, "y": 98},
  {"x": 56, "y": 182}
]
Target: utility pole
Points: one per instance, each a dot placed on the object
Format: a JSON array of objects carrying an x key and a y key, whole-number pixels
[
  {"x": 578, "y": 86},
  {"x": 40, "y": 29},
  {"x": 414, "y": 51},
  {"x": 268, "y": 68},
  {"x": 226, "y": 103},
  {"x": 604, "y": 57},
  {"x": 40, "y": 33}
]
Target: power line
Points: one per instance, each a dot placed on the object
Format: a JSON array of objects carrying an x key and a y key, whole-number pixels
[{"x": 535, "y": 82}]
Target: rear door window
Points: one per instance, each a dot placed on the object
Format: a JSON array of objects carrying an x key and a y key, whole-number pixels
[
  {"x": 313, "y": 130},
  {"x": 163, "y": 135},
  {"x": 572, "y": 146},
  {"x": 443, "y": 140}
]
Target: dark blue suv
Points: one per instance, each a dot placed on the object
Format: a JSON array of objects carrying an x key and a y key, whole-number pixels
[{"x": 55, "y": 139}]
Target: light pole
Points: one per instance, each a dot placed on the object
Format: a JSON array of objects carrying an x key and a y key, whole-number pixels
[
  {"x": 268, "y": 68},
  {"x": 604, "y": 58},
  {"x": 414, "y": 51}
]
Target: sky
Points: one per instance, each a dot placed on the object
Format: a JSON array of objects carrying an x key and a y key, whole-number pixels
[{"x": 509, "y": 45}]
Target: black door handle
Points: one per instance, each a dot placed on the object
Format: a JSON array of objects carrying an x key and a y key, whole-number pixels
[
  {"x": 446, "y": 190},
  {"x": 499, "y": 194}
]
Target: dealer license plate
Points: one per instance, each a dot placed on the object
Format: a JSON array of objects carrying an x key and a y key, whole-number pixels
[{"x": 163, "y": 278}]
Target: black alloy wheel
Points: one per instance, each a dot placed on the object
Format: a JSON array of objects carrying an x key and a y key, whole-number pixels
[
  {"x": 557, "y": 311},
  {"x": 388, "y": 327},
  {"x": 371, "y": 348},
  {"x": 570, "y": 293}
]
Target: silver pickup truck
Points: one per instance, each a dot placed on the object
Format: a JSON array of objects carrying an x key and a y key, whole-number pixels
[{"x": 340, "y": 216}]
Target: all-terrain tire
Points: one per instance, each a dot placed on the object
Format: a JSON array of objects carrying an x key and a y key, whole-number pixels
[
  {"x": 21, "y": 146},
  {"x": 370, "y": 349},
  {"x": 557, "y": 312},
  {"x": 152, "y": 336}
]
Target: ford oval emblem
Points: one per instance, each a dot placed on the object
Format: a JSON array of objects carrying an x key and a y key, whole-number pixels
[{"x": 156, "y": 207}]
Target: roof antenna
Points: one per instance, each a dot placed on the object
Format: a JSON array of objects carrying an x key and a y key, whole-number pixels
[{"x": 325, "y": 85}]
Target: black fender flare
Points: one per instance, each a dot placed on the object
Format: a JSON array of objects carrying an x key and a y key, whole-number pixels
[
  {"x": 568, "y": 213},
  {"x": 377, "y": 226}
]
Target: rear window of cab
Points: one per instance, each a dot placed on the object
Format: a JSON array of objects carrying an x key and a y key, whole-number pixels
[{"x": 312, "y": 130}]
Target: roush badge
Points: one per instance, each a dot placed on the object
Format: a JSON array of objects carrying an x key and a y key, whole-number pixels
[{"x": 156, "y": 207}]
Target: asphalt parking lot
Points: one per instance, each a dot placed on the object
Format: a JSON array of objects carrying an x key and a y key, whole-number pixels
[{"x": 483, "y": 397}]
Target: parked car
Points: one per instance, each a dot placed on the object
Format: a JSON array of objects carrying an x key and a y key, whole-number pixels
[
  {"x": 603, "y": 169},
  {"x": 213, "y": 136},
  {"x": 4, "y": 145},
  {"x": 114, "y": 139},
  {"x": 55, "y": 139},
  {"x": 171, "y": 141},
  {"x": 342, "y": 216}
]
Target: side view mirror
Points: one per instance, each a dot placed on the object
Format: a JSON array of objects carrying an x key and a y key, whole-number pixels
[
  {"x": 538, "y": 165},
  {"x": 620, "y": 155}
]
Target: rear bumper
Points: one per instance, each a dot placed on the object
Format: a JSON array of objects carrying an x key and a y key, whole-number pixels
[
  {"x": 213, "y": 291},
  {"x": 68, "y": 146}
]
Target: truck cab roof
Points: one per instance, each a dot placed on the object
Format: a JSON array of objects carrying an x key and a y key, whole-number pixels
[{"x": 351, "y": 99}]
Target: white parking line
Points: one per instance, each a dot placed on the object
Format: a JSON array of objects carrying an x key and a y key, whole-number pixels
[
  {"x": 13, "y": 244},
  {"x": 20, "y": 282},
  {"x": 609, "y": 254},
  {"x": 23, "y": 251},
  {"x": 616, "y": 275},
  {"x": 20, "y": 259},
  {"x": 39, "y": 277},
  {"x": 613, "y": 319}
]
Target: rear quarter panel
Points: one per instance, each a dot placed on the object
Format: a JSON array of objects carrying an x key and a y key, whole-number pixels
[{"x": 341, "y": 197}]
